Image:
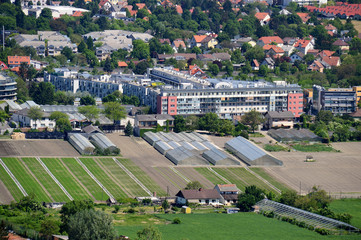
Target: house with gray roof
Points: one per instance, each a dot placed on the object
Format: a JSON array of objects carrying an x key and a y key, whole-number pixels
[
  {"x": 275, "y": 119},
  {"x": 151, "y": 121},
  {"x": 199, "y": 196}
]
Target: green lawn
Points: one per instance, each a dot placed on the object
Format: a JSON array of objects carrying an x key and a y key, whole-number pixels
[
  {"x": 274, "y": 148},
  {"x": 142, "y": 176},
  {"x": 10, "y": 184},
  {"x": 66, "y": 179},
  {"x": 213, "y": 178},
  {"x": 351, "y": 206},
  {"x": 242, "y": 178},
  {"x": 44, "y": 178},
  {"x": 223, "y": 226},
  {"x": 270, "y": 179},
  {"x": 85, "y": 179},
  {"x": 26, "y": 180},
  {"x": 317, "y": 147},
  {"x": 104, "y": 178},
  {"x": 122, "y": 178}
]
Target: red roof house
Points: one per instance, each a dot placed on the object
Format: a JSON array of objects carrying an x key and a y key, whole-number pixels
[{"x": 269, "y": 40}]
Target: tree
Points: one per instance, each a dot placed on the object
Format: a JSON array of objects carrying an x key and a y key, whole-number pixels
[
  {"x": 324, "y": 116},
  {"x": 192, "y": 122},
  {"x": 165, "y": 205},
  {"x": 89, "y": 43},
  {"x": 263, "y": 70},
  {"x": 42, "y": 93},
  {"x": 128, "y": 129},
  {"x": 49, "y": 227},
  {"x": 71, "y": 208},
  {"x": 90, "y": 224},
  {"x": 252, "y": 119},
  {"x": 63, "y": 125},
  {"x": 149, "y": 233},
  {"x": 288, "y": 197},
  {"x": 35, "y": 113},
  {"x": 229, "y": 68},
  {"x": 87, "y": 100},
  {"x": 91, "y": 112},
  {"x": 114, "y": 111},
  {"x": 237, "y": 56},
  {"x": 108, "y": 67},
  {"x": 196, "y": 50},
  {"x": 68, "y": 53},
  {"x": 57, "y": 115},
  {"x": 195, "y": 185},
  {"x": 140, "y": 50},
  {"x": 46, "y": 13},
  {"x": 142, "y": 67},
  {"x": 179, "y": 124},
  {"x": 82, "y": 47},
  {"x": 3, "y": 116},
  {"x": 226, "y": 127},
  {"x": 214, "y": 69},
  {"x": 249, "y": 198},
  {"x": 209, "y": 122}
]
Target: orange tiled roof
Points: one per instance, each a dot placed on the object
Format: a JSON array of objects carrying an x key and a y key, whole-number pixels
[
  {"x": 268, "y": 40},
  {"x": 331, "y": 60},
  {"x": 261, "y": 15},
  {"x": 122, "y": 64},
  {"x": 302, "y": 43},
  {"x": 179, "y": 9},
  {"x": 304, "y": 16},
  {"x": 18, "y": 59},
  {"x": 199, "y": 38},
  {"x": 326, "y": 53},
  {"x": 179, "y": 43},
  {"x": 140, "y": 5},
  {"x": 77, "y": 14}
]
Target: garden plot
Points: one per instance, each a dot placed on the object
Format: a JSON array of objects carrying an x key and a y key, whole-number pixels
[
  {"x": 193, "y": 175},
  {"x": 172, "y": 177},
  {"x": 85, "y": 179},
  {"x": 104, "y": 178},
  {"x": 29, "y": 183},
  {"x": 210, "y": 175},
  {"x": 10, "y": 184},
  {"x": 129, "y": 186},
  {"x": 66, "y": 179},
  {"x": 44, "y": 178},
  {"x": 142, "y": 176}
]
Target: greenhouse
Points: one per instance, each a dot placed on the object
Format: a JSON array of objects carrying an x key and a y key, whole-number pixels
[
  {"x": 182, "y": 156},
  {"x": 162, "y": 147},
  {"x": 288, "y": 135},
  {"x": 250, "y": 153},
  {"x": 308, "y": 218},
  {"x": 151, "y": 138},
  {"x": 81, "y": 144},
  {"x": 102, "y": 142},
  {"x": 217, "y": 157}
]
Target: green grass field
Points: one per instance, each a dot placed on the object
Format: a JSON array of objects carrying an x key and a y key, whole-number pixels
[
  {"x": 351, "y": 206},
  {"x": 122, "y": 178},
  {"x": 274, "y": 148},
  {"x": 270, "y": 179},
  {"x": 317, "y": 147},
  {"x": 26, "y": 180},
  {"x": 66, "y": 179},
  {"x": 104, "y": 178},
  {"x": 242, "y": 178},
  {"x": 142, "y": 176},
  {"x": 85, "y": 179},
  {"x": 10, "y": 184},
  {"x": 44, "y": 178},
  {"x": 213, "y": 178},
  {"x": 223, "y": 226}
]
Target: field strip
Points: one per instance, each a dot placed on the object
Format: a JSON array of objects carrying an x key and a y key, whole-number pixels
[
  {"x": 263, "y": 180},
  {"x": 133, "y": 177},
  {"x": 27, "y": 179},
  {"x": 181, "y": 175},
  {"x": 166, "y": 177},
  {"x": 130, "y": 187},
  {"x": 214, "y": 179},
  {"x": 219, "y": 175},
  {"x": 13, "y": 178},
  {"x": 95, "y": 179},
  {"x": 67, "y": 178},
  {"x": 55, "y": 180}
]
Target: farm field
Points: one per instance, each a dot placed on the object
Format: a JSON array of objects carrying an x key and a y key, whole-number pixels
[
  {"x": 10, "y": 184},
  {"x": 66, "y": 179},
  {"x": 142, "y": 176},
  {"x": 104, "y": 178},
  {"x": 121, "y": 177},
  {"x": 44, "y": 178},
  {"x": 262, "y": 172},
  {"x": 223, "y": 226},
  {"x": 85, "y": 179},
  {"x": 210, "y": 175},
  {"x": 28, "y": 182}
]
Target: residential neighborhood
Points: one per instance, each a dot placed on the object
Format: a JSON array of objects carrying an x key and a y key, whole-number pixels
[{"x": 124, "y": 119}]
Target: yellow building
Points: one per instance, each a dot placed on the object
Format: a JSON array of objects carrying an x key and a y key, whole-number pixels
[
  {"x": 186, "y": 210},
  {"x": 357, "y": 89}
]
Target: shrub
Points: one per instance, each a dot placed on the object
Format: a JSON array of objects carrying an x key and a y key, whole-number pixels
[
  {"x": 131, "y": 210},
  {"x": 116, "y": 208},
  {"x": 176, "y": 209},
  {"x": 176, "y": 221},
  {"x": 322, "y": 231}
]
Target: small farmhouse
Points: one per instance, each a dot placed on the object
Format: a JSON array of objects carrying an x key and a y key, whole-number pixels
[{"x": 201, "y": 196}]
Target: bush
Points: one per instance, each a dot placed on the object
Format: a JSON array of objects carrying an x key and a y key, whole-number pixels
[
  {"x": 116, "y": 208},
  {"x": 131, "y": 210},
  {"x": 176, "y": 221},
  {"x": 322, "y": 231},
  {"x": 176, "y": 209}
]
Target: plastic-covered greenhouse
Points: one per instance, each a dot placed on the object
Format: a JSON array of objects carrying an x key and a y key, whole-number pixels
[
  {"x": 217, "y": 157},
  {"x": 250, "y": 153},
  {"x": 288, "y": 135},
  {"x": 162, "y": 147},
  {"x": 81, "y": 144},
  {"x": 182, "y": 156},
  {"x": 308, "y": 218},
  {"x": 101, "y": 141}
]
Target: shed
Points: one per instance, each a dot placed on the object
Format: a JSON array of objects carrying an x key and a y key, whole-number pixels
[{"x": 186, "y": 210}]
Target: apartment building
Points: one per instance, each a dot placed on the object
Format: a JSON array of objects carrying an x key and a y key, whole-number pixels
[
  {"x": 338, "y": 101},
  {"x": 7, "y": 88}
]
